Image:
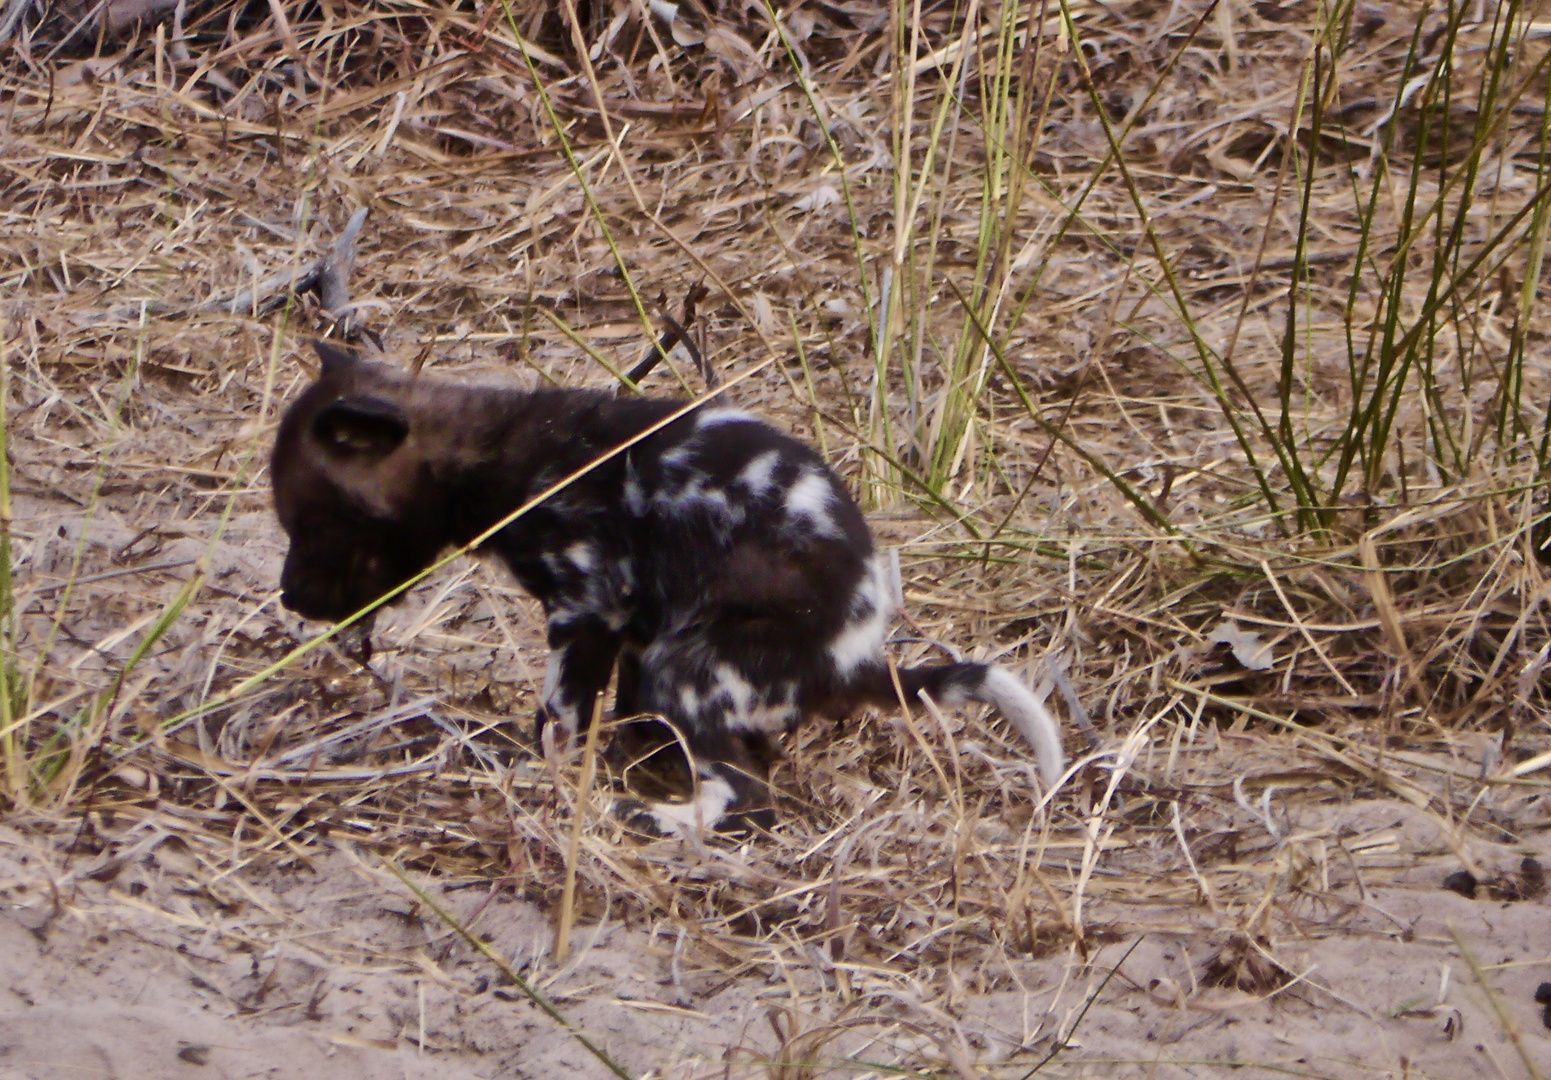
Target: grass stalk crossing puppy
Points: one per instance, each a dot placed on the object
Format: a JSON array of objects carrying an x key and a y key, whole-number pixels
[{"x": 718, "y": 563}]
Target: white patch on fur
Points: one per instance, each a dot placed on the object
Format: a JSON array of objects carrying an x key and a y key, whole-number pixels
[
  {"x": 700, "y": 814},
  {"x": 689, "y": 700},
  {"x": 767, "y": 717},
  {"x": 581, "y": 556},
  {"x": 711, "y": 417},
  {"x": 809, "y": 498},
  {"x": 955, "y": 694},
  {"x": 565, "y": 614},
  {"x": 600, "y": 602},
  {"x": 867, "y": 624},
  {"x": 694, "y": 495},
  {"x": 759, "y": 473},
  {"x": 635, "y": 497},
  {"x": 731, "y": 684},
  {"x": 679, "y": 455},
  {"x": 1028, "y": 714}
]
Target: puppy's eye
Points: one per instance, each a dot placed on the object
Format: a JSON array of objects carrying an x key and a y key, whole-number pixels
[{"x": 345, "y": 439}]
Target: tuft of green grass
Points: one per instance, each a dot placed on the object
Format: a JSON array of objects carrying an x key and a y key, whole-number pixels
[
  {"x": 1440, "y": 246},
  {"x": 1438, "y": 238},
  {"x": 48, "y": 765}
]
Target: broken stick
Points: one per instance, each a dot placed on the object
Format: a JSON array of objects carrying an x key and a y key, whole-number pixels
[{"x": 328, "y": 277}]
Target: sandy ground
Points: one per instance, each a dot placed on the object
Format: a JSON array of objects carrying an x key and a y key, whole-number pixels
[{"x": 123, "y": 966}]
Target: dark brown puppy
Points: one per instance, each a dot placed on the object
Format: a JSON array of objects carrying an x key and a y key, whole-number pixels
[{"x": 718, "y": 561}]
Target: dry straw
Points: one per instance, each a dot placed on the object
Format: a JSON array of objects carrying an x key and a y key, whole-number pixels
[{"x": 1126, "y": 322}]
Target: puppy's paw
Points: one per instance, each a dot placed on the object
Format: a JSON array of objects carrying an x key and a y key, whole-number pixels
[
  {"x": 556, "y": 740},
  {"x": 681, "y": 819},
  {"x": 642, "y": 817}
]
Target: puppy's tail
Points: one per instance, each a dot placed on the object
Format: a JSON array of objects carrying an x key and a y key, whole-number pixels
[{"x": 954, "y": 684}]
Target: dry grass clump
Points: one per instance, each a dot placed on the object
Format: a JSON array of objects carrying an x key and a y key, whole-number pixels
[{"x": 1188, "y": 353}]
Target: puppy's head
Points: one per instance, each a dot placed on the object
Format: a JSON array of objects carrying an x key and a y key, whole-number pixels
[{"x": 353, "y": 489}]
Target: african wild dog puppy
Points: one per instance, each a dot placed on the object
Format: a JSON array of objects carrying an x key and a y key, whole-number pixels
[{"x": 719, "y": 562}]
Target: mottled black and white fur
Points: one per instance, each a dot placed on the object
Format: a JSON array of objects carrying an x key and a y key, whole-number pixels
[{"x": 718, "y": 562}]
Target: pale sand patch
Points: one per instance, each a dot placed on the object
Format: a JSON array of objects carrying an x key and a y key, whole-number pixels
[{"x": 337, "y": 973}]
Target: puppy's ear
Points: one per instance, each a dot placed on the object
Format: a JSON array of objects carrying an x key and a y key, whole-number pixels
[
  {"x": 361, "y": 427},
  {"x": 335, "y": 361}
]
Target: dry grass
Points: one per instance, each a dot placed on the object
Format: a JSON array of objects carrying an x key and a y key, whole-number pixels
[{"x": 1105, "y": 534}]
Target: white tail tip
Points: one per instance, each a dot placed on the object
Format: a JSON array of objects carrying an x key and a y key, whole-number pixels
[{"x": 1002, "y": 689}]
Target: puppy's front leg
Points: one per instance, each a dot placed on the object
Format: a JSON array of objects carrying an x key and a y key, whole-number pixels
[{"x": 582, "y": 652}]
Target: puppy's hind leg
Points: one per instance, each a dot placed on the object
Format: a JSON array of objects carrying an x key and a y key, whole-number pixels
[{"x": 732, "y": 793}]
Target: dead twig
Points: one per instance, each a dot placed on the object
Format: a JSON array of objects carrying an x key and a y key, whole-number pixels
[
  {"x": 678, "y": 334},
  {"x": 326, "y": 277}
]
